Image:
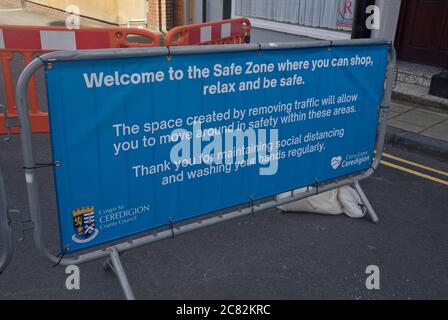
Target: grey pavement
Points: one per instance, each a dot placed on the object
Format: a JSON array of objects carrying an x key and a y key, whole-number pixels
[
  {"x": 417, "y": 120},
  {"x": 18, "y": 16},
  {"x": 418, "y": 95}
]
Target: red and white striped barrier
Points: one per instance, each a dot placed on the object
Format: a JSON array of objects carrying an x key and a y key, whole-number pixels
[
  {"x": 47, "y": 40},
  {"x": 232, "y": 31},
  {"x": 59, "y": 38},
  {"x": 30, "y": 40}
]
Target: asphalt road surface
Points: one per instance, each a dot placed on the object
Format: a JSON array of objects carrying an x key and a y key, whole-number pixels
[{"x": 263, "y": 256}]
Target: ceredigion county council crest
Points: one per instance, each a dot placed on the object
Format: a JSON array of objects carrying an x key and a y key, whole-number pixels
[{"x": 84, "y": 223}]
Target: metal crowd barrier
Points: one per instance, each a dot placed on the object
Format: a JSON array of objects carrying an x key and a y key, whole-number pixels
[
  {"x": 112, "y": 253},
  {"x": 232, "y": 31},
  {"x": 28, "y": 41},
  {"x": 5, "y": 228}
]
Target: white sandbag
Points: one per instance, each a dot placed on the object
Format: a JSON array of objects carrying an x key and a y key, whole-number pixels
[
  {"x": 351, "y": 202},
  {"x": 324, "y": 203}
]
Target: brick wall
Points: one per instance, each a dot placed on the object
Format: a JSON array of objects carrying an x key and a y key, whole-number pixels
[
  {"x": 164, "y": 14},
  {"x": 167, "y": 14},
  {"x": 153, "y": 15}
]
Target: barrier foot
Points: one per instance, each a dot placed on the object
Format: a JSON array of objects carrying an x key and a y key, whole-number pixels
[
  {"x": 114, "y": 264},
  {"x": 365, "y": 200}
]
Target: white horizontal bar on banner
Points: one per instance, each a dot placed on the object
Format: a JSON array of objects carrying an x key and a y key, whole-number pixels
[{"x": 58, "y": 40}]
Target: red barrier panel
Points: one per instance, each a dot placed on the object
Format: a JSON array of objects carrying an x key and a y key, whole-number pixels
[
  {"x": 31, "y": 40},
  {"x": 232, "y": 31}
]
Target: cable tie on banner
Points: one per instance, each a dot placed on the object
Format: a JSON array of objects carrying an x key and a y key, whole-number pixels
[
  {"x": 259, "y": 49},
  {"x": 61, "y": 256},
  {"x": 43, "y": 165},
  {"x": 47, "y": 64},
  {"x": 316, "y": 185},
  {"x": 251, "y": 203},
  {"x": 363, "y": 207},
  {"x": 168, "y": 56},
  {"x": 171, "y": 225}
]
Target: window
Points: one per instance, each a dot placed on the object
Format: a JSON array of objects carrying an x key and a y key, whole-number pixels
[{"x": 331, "y": 14}]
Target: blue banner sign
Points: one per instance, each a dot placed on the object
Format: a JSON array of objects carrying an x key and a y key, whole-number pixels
[{"x": 142, "y": 141}]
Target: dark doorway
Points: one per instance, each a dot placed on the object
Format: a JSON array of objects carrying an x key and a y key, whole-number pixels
[
  {"x": 422, "y": 35},
  {"x": 227, "y": 9}
]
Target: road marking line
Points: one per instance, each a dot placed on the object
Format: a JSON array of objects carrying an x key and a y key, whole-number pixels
[
  {"x": 444, "y": 173},
  {"x": 416, "y": 173}
]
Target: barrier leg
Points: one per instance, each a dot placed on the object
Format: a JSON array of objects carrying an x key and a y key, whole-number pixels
[
  {"x": 365, "y": 200},
  {"x": 114, "y": 263},
  {"x": 5, "y": 229}
]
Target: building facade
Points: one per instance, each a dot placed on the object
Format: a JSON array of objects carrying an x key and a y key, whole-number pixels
[{"x": 419, "y": 28}]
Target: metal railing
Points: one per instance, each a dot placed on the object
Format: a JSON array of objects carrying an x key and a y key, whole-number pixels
[{"x": 112, "y": 253}]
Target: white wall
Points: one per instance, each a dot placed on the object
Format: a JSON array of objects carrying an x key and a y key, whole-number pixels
[
  {"x": 214, "y": 10},
  {"x": 390, "y": 12}
]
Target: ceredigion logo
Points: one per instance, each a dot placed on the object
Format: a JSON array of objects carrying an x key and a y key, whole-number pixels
[
  {"x": 336, "y": 162},
  {"x": 84, "y": 224}
]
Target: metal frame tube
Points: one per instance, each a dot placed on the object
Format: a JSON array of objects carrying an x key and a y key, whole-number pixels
[
  {"x": 5, "y": 228},
  {"x": 116, "y": 266},
  {"x": 33, "y": 192},
  {"x": 370, "y": 211},
  {"x": 382, "y": 128},
  {"x": 385, "y": 105}
]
